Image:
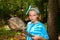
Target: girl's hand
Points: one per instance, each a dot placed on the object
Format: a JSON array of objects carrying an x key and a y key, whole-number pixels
[{"x": 37, "y": 38}]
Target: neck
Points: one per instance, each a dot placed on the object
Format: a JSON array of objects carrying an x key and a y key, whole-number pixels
[{"x": 34, "y": 22}]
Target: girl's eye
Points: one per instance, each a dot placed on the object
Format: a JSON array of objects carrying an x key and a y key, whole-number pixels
[{"x": 34, "y": 15}]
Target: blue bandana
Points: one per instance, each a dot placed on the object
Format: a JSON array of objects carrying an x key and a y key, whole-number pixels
[{"x": 30, "y": 8}]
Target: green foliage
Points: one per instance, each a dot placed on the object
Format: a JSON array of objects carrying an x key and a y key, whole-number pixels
[
  {"x": 17, "y": 8},
  {"x": 58, "y": 21},
  {"x": 8, "y": 34}
]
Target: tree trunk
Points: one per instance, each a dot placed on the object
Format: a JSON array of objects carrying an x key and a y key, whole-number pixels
[{"x": 52, "y": 19}]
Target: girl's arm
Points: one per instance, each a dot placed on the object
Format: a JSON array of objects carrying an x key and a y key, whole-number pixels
[{"x": 37, "y": 38}]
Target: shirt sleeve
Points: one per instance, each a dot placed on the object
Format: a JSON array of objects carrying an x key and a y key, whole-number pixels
[{"x": 40, "y": 31}]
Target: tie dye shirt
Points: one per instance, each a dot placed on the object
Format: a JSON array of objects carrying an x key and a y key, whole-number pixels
[{"x": 36, "y": 29}]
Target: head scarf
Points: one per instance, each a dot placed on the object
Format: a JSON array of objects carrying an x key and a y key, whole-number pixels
[{"x": 30, "y": 8}]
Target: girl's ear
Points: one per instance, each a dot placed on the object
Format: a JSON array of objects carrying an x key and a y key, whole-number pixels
[{"x": 39, "y": 17}]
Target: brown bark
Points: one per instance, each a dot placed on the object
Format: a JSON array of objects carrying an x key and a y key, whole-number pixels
[{"x": 52, "y": 19}]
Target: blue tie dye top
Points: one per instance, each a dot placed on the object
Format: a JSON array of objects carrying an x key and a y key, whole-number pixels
[{"x": 36, "y": 29}]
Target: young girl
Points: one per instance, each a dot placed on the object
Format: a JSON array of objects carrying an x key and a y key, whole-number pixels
[{"x": 35, "y": 27}]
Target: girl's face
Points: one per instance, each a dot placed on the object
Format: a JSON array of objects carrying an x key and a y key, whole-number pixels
[{"x": 33, "y": 16}]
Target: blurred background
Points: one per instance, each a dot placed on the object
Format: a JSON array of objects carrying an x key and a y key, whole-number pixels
[{"x": 49, "y": 14}]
